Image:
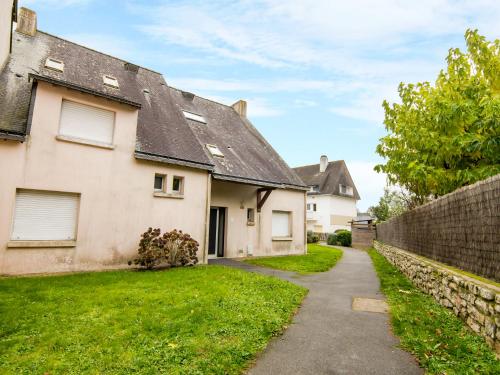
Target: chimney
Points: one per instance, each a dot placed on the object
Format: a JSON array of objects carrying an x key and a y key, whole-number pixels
[
  {"x": 323, "y": 163},
  {"x": 26, "y": 22},
  {"x": 241, "y": 108}
]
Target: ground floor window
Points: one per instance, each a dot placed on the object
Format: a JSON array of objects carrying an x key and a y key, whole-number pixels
[
  {"x": 281, "y": 225},
  {"x": 45, "y": 215}
]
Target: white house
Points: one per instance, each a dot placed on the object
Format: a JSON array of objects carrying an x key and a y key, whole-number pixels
[{"x": 332, "y": 195}]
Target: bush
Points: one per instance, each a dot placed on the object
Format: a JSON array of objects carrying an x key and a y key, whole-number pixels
[
  {"x": 312, "y": 237},
  {"x": 331, "y": 239},
  {"x": 344, "y": 238},
  {"x": 173, "y": 249}
]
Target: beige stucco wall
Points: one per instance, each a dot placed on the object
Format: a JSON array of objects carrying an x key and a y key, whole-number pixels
[
  {"x": 5, "y": 29},
  {"x": 116, "y": 203},
  {"x": 240, "y": 236}
]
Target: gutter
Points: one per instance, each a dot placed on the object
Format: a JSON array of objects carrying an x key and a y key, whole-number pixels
[
  {"x": 119, "y": 99},
  {"x": 251, "y": 181},
  {"x": 4, "y": 134},
  {"x": 171, "y": 160}
]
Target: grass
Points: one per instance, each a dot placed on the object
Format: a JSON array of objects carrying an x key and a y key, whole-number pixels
[
  {"x": 202, "y": 320},
  {"x": 440, "y": 341},
  {"x": 318, "y": 259}
]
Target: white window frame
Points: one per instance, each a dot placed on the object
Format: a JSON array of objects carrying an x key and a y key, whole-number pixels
[
  {"x": 276, "y": 232},
  {"x": 41, "y": 239},
  {"x": 214, "y": 150},
  {"x": 194, "y": 117},
  {"x": 65, "y": 135},
  {"x": 180, "y": 191},
  {"x": 163, "y": 182}
]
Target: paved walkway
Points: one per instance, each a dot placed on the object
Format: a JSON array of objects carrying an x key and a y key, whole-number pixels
[{"x": 327, "y": 336}]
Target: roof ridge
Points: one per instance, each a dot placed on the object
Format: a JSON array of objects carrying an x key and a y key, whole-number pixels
[
  {"x": 311, "y": 165},
  {"x": 96, "y": 51},
  {"x": 198, "y": 96}
]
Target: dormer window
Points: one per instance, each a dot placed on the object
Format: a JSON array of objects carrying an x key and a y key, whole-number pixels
[
  {"x": 110, "y": 81},
  {"x": 314, "y": 188},
  {"x": 54, "y": 64},
  {"x": 214, "y": 150},
  {"x": 347, "y": 190},
  {"x": 194, "y": 117}
]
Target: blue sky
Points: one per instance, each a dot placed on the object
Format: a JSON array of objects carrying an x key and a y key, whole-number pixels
[{"x": 313, "y": 72}]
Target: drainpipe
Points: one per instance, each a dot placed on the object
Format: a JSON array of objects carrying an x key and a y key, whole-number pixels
[
  {"x": 207, "y": 217},
  {"x": 305, "y": 222}
]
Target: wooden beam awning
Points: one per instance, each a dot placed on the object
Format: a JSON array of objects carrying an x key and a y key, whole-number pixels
[{"x": 261, "y": 199}]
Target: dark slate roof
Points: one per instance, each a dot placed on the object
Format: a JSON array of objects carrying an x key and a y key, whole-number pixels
[
  {"x": 336, "y": 174},
  {"x": 247, "y": 155},
  {"x": 163, "y": 134}
]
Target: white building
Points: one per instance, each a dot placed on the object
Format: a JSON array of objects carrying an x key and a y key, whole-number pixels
[{"x": 332, "y": 196}]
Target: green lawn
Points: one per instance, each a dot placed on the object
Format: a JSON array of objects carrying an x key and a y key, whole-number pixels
[
  {"x": 318, "y": 259},
  {"x": 202, "y": 320},
  {"x": 440, "y": 341}
]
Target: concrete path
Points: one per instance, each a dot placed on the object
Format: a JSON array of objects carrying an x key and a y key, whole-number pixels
[{"x": 327, "y": 336}]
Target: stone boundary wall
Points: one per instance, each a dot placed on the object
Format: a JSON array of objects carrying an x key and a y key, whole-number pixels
[
  {"x": 461, "y": 229},
  {"x": 475, "y": 302}
]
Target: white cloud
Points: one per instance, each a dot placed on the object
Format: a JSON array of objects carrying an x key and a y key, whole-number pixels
[
  {"x": 369, "y": 183},
  {"x": 305, "y": 103}
]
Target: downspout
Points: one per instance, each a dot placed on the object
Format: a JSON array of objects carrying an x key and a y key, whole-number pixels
[{"x": 207, "y": 217}]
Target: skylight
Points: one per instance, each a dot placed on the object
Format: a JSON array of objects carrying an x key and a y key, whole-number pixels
[
  {"x": 214, "y": 150},
  {"x": 54, "y": 64},
  {"x": 110, "y": 81},
  {"x": 194, "y": 117}
]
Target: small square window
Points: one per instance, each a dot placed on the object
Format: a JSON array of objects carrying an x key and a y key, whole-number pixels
[
  {"x": 215, "y": 151},
  {"x": 178, "y": 185},
  {"x": 54, "y": 64},
  {"x": 159, "y": 182},
  {"x": 250, "y": 216}
]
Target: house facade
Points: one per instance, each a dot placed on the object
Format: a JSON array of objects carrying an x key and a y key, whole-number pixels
[
  {"x": 332, "y": 195},
  {"x": 94, "y": 150}
]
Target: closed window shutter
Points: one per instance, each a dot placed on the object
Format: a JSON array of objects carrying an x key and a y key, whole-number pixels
[
  {"x": 86, "y": 122},
  {"x": 281, "y": 224},
  {"x": 41, "y": 215}
]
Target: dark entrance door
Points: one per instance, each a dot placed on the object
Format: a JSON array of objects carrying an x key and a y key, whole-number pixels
[{"x": 216, "y": 231}]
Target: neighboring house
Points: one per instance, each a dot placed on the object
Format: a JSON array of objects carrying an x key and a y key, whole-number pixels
[
  {"x": 95, "y": 150},
  {"x": 332, "y": 195}
]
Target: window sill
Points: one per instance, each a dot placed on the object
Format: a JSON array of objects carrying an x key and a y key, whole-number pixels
[
  {"x": 86, "y": 142},
  {"x": 160, "y": 194},
  {"x": 282, "y": 238},
  {"x": 30, "y": 244}
]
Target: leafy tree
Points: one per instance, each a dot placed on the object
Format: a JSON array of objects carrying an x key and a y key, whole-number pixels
[
  {"x": 392, "y": 203},
  {"x": 446, "y": 136}
]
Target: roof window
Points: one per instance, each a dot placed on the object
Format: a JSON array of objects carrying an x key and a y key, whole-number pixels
[
  {"x": 194, "y": 117},
  {"x": 54, "y": 64},
  {"x": 214, "y": 150},
  {"x": 110, "y": 81},
  {"x": 346, "y": 189}
]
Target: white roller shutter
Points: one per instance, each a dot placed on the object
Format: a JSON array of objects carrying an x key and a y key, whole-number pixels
[
  {"x": 87, "y": 122},
  {"x": 42, "y": 215},
  {"x": 281, "y": 224}
]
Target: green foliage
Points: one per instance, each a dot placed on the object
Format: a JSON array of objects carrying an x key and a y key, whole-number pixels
[
  {"x": 312, "y": 237},
  {"x": 446, "y": 136},
  {"x": 197, "y": 320},
  {"x": 392, "y": 203},
  {"x": 318, "y": 259},
  {"x": 440, "y": 341},
  {"x": 331, "y": 239},
  {"x": 173, "y": 249},
  {"x": 344, "y": 238}
]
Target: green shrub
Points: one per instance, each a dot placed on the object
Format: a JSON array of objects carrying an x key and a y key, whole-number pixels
[
  {"x": 344, "y": 238},
  {"x": 173, "y": 249},
  {"x": 331, "y": 239},
  {"x": 312, "y": 237}
]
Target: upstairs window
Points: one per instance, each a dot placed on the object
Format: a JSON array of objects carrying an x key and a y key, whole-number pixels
[
  {"x": 194, "y": 117},
  {"x": 250, "y": 216},
  {"x": 309, "y": 207},
  {"x": 85, "y": 122},
  {"x": 178, "y": 185},
  {"x": 54, "y": 64},
  {"x": 214, "y": 150},
  {"x": 110, "y": 81},
  {"x": 347, "y": 190},
  {"x": 314, "y": 206},
  {"x": 159, "y": 184}
]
